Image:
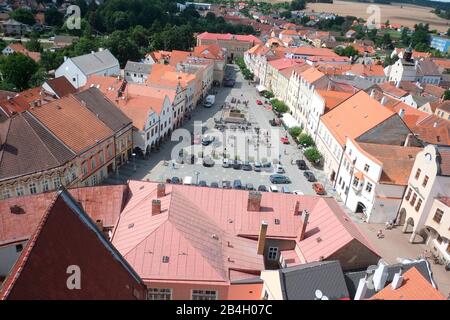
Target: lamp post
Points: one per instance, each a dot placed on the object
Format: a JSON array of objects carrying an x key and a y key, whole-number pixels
[
  {"x": 134, "y": 161},
  {"x": 196, "y": 174}
]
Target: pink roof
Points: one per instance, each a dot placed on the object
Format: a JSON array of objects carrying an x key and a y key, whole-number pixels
[
  {"x": 284, "y": 63},
  {"x": 228, "y": 36},
  {"x": 191, "y": 215},
  {"x": 313, "y": 52}
]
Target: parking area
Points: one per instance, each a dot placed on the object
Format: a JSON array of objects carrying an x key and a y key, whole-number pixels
[{"x": 264, "y": 146}]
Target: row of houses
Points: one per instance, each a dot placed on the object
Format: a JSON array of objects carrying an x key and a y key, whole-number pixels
[{"x": 370, "y": 137}]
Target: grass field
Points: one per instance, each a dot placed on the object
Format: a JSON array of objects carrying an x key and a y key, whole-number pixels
[{"x": 403, "y": 14}]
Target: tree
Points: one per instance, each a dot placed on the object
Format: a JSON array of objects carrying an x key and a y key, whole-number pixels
[
  {"x": 286, "y": 15},
  {"x": 404, "y": 37},
  {"x": 305, "y": 140},
  {"x": 18, "y": 69},
  {"x": 313, "y": 155},
  {"x": 446, "y": 95},
  {"x": 420, "y": 36},
  {"x": 348, "y": 51},
  {"x": 298, "y": 5},
  {"x": 23, "y": 15},
  {"x": 122, "y": 47},
  {"x": 53, "y": 17},
  {"x": 279, "y": 106},
  {"x": 3, "y": 44},
  {"x": 295, "y": 131},
  {"x": 51, "y": 60},
  {"x": 33, "y": 44}
]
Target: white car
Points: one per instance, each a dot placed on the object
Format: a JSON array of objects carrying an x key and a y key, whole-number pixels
[
  {"x": 273, "y": 188},
  {"x": 257, "y": 166},
  {"x": 279, "y": 169},
  {"x": 226, "y": 163},
  {"x": 298, "y": 192}
]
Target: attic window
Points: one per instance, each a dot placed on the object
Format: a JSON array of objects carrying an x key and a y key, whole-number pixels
[
  {"x": 142, "y": 187},
  {"x": 215, "y": 236},
  {"x": 165, "y": 259},
  {"x": 15, "y": 209},
  {"x": 131, "y": 225},
  {"x": 277, "y": 221},
  {"x": 319, "y": 239}
]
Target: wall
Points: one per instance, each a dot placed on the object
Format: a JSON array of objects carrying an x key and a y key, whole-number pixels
[
  {"x": 355, "y": 256},
  {"x": 69, "y": 70},
  {"x": 182, "y": 291},
  {"x": 250, "y": 291},
  {"x": 271, "y": 285}
]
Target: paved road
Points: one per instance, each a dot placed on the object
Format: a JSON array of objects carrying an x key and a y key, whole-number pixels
[
  {"x": 25, "y": 39},
  {"x": 154, "y": 169}
]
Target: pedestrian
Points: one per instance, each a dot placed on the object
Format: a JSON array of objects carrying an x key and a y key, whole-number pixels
[{"x": 380, "y": 234}]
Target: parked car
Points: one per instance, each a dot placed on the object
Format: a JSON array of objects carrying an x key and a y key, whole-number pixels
[
  {"x": 226, "y": 184},
  {"x": 279, "y": 178},
  {"x": 247, "y": 166},
  {"x": 237, "y": 184},
  {"x": 273, "y": 188},
  {"x": 318, "y": 188},
  {"x": 301, "y": 164},
  {"x": 214, "y": 185},
  {"x": 279, "y": 169},
  {"x": 175, "y": 180},
  {"x": 229, "y": 83},
  {"x": 249, "y": 186},
  {"x": 285, "y": 189},
  {"x": 309, "y": 176},
  {"x": 237, "y": 165},
  {"x": 262, "y": 188},
  {"x": 226, "y": 163},
  {"x": 267, "y": 165},
  {"x": 257, "y": 166},
  {"x": 202, "y": 183},
  {"x": 259, "y": 102},
  {"x": 284, "y": 140},
  {"x": 207, "y": 140},
  {"x": 208, "y": 162},
  {"x": 298, "y": 192}
]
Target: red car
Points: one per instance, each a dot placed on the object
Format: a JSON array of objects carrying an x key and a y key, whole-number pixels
[
  {"x": 318, "y": 188},
  {"x": 259, "y": 102},
  {"x": 284, "y": 140}
]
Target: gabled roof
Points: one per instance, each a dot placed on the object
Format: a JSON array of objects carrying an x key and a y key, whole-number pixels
[
  {"x": 414, "y": 287},
  {"x": 301, "y": 282},
  {"x": 138, "y": 108},
  {"x": 434, "y": 130},
  {"x": 100, "y": 203},
  {"x": 61, "y": 86},
  {"x": 28, "y": 147},
  {"x": 228, "y": 36},
  {"x": 210, "y": 51},
  {"x": 444, "y": 106},
  {"x": 392, "y": 90},
  {"x": 333, "y": 98},
  {"x": 426, "y": 67},
  {"x": 363, "y": 70},
  {"x": 355, "y": 116},
  {"x": 76, "y": 126},
  {"x": 103, "y": 108},
  {"x": 284, "y": 63},
  {"x": 109, "y": 86},
  {"x": 95, "y": 62},
  {"x": 74, "y": 239}
]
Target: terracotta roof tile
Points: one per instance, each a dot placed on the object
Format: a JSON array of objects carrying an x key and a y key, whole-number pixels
[
  {"x": 61, "y": 86},
  {"x": 333, "y": 98}
]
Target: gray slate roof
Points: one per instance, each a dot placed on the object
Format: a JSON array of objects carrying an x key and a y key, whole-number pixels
[
  {"x": 94, "y": 62},
  {"x": 29, "y": 147},
  {"x": 138, "y": 67},
  {"x": 103, "y": 108},
  {"x": 301, "y": 282},
  {"x": 352, "y": 278}
]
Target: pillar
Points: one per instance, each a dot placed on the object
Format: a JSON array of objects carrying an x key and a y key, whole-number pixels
[{"x": 413, "y": 237}]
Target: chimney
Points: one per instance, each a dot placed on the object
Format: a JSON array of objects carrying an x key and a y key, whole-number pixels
[
  {"x": 305, "y": 217},
  {"x": 372, "y": 93},
  {"x": 254, "y": 201},
  {"x": 409, "y": 140},
  {"x": 161, "y": 190},
  {"x": 99, "y": 224},
  {"x": 401, "y": 113},
  {"x": 397, "y": 281},
  {"x": 156, "y": 207},
  {"x": 435, "y": 124},
  {"x": 65, "y": 58},
  {"x": 262, "y": 237},
  {"x": 297, "y": 208},
  {"x": 383, "y": 100},
  {"x": 380, "y": 276},
  {"x": 362, "y": 289}
]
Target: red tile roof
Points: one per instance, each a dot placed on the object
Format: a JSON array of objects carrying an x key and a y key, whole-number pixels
[
  {"x": 228, "y": 36},
  {"x": 66, "y": 236},
  {"x": 100, "y": 203},
  {"x": 284, "y": 63},
  {"x": 368, "y": 70},
  {"x": 333, "y": 98},
  {"x": 414, "y": 287},
  {"x": 61, "y": 86}
]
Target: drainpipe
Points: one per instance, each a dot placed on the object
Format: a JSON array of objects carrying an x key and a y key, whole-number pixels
[{"x": 339, "y": 168}]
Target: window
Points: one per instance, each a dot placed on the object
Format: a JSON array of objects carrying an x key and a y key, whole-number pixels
[
  {"x": 94, "y": 180},
  {"x": 418, "y": 173},
  {"x": 369, "y": 187},
  {"x": 408, "y": 195},
  {"x": 204, "y": 295},
  {"x": 273, "y": 253},
  {"x": 266, "y": 295},
  {"x": 19, "y": 191},
  {"x": 6, "y": 194},
  {"x": 419, "y": 203},
  {"x": 159, "y": 294},
  {"x": 438, "y": 215},
  {"x": 109, "y": 150},
  {"x": 101, "y": 158},
  {"x": 425, "y": 181},
  {"x": 84, "y": 168},
  {"x": 355, "y": 182},
  {"x": 19, "y": 247},
  {"x": 57, "y": 182},
  {"x": 413, "y": 200},
  {"x": 93, "y": 164},
  {"x": 366, "y": 167},
  {"x": 148, "y": 135},
  {"x": 32, "y": 188},
  {"x": 45, "y": 186}
]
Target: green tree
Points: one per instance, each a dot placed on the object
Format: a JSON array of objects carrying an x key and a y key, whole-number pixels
[
  {"x": 122, "y": 47},
  {"x": 33, "y": 44},
  {"x": 298, "y": 5},
  {"x": 23, "y": 15},
  {"x": 305, "y": 140},
  {"x": 313, "y": 155},
  {"x": 18, "y": 69},
  {"x": 51, "y": 60},
  {"x": 295, "y": 131},
  {"x": 53, "y": 17},
  {"x": 446, "y": 95},
  {"x": 420, "y": 36},
  {"x": 279, "y": 106},
  {"x": 38, "y": 78}
]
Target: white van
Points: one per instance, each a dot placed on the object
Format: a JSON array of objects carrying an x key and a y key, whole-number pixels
[{"x": 187, "y": 180}]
